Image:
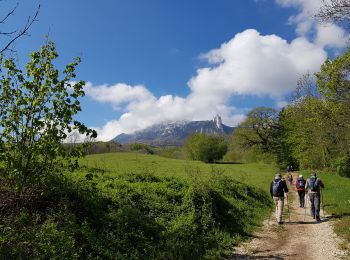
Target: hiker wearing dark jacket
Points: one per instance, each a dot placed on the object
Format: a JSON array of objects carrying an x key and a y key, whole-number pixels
[
  {"x": 300, "y": 185},
  {"x": 313, "y": 188},
  {"x": 277, "y": 189}
]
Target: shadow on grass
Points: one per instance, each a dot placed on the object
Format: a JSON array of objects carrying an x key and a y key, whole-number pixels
[
  {"x": 228, "y": 163},
  {"x": 268, "y": 256},
  {"x": 338, "y": 216}
]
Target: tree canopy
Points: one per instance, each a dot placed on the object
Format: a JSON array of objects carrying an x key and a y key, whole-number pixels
[
  {"x": 206, "y": 148},
  {"x": 37, "y": 109}
]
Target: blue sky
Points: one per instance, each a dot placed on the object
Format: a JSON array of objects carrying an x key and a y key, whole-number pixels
[{"x": 148, "y": 61}]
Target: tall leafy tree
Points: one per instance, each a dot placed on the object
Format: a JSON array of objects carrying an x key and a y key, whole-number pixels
[
  {"x": 37, "y": 109},
  {"x": 260, "y": 129},
  {"x": 333, "y": 79}
]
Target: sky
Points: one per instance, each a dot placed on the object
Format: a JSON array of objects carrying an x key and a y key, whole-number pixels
[{"x": 153, "y": 61}]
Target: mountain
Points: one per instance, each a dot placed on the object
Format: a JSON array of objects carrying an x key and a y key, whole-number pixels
[{"x": 174, "y": 133}]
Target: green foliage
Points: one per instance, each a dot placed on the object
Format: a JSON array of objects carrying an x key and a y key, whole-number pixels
[
  {"x": 260, "y": 130},
  {"x": 206, "y": 148},
  {"x": 343, "y": 165},
  {"x": 36, "y": 114},
  {"x": 179, "y": 210},
  {"x": 141, "y": 147},
  {"x": 333, "y": 79},
  {"x": 316, "y": 128},
  {"x": 171, "y": 152}
]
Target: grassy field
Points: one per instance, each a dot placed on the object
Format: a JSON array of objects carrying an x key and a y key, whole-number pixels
[
  {"x": 112, "y": 164},
  {"x": 138, "y": 206},
  {"x": 201, "y": 208}
]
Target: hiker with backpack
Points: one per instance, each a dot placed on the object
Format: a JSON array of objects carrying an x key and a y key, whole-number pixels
[
  {"x": 313, "y": 188},
  {"x": 277, "y": 189},
  {"x": 300, "y": 185}
]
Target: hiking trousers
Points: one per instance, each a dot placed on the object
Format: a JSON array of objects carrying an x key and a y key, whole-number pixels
[
  {"x": 301, "y": 194},
  {"x": 279, "y": 203},
  {"x": 315, "y": 204}
]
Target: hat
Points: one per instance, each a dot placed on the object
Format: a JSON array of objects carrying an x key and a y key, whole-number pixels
[
  {"x": 300, "y": 176},
  {"x": 313, "y": 174},
  {"x": 278, "y": 176}
]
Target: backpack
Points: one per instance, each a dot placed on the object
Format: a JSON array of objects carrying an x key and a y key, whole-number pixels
[
  {"x": 313, "y": 184},
  {"x": 277, "y": 189},
  {"x": 301, "y": 183}
]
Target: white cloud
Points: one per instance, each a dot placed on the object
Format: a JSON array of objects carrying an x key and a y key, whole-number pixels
[
  {"x": 147, "y": 109},
  {"x": 325, "y": 35},
  {"x": 118, "y": 94},
  {"x": 248, "y": 64},
  {"x": 255, "y": 64}
]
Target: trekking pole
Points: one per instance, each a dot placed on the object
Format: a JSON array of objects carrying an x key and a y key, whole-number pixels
[
  {"x": 288, "y": 208},
  {"x": 306, "y": 202},
  {"x": 324, "y": 215}
]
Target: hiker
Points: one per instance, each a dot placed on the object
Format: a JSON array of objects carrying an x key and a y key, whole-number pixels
[
  {"x": 290, "y": 179},
  {"x": 300, "y": 185},
  {"x": 313, "y": 188},
  {"x": 290, "y": 168},
  {"x": 277, "y": 189}
]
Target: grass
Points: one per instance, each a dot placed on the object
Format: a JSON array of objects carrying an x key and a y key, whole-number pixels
[
  {"x": 229, "y": 200},
  {"x": 255, "y": 174},
  {"x": 139, "y": 206}
]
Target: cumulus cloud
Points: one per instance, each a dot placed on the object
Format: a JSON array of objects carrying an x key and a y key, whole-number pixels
[
  {"x": 147, "y": 109},
  {"x": 248, "y": 64},
  {"x": 255, "y": 64},
  {"x": 325, "y": 35},
  {"x": 118, "y": 94}
]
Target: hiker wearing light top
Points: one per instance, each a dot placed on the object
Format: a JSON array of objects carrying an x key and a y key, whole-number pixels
[
  {"x": 277, "y": 189},
  {"x": 300, "y": 185},
  {"x": 313, "y": 188}
]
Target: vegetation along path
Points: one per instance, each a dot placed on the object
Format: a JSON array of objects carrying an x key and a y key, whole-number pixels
[{"x": 300, "y": 237}]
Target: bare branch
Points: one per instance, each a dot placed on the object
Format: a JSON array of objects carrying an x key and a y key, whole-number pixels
[
  {"x": 334, "y": 11},
  {"x": 9, "y": 14},
  {"x": 22, "y": 32}
]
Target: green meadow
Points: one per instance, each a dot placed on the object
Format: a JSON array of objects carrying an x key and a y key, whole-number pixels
[
  {"x": 114, "y": 164},
  {"x": 193, "y": 209},
  {"x": 139, "y": 206}
]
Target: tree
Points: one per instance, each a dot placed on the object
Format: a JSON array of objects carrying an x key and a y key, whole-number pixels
[
  {"x": 36, "y": 115},
  {"x": 206, "y": 148},
  {"x": 333, "y": 79},
  {"x": 260, "y": 129},
  {"x": 334, "y": 11}
]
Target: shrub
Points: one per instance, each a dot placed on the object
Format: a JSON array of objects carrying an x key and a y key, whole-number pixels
[
  {"x": 343, "y": 165},
  {"x": 206, "y": 148}
]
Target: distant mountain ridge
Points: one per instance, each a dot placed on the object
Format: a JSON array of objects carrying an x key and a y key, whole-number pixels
[{"x": 174, "y": 133}]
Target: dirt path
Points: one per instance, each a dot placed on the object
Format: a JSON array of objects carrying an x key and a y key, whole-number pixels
[{"x": 298, "y": 238}]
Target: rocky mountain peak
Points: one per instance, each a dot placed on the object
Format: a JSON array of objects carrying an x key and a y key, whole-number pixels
[
  {"x": 174, "y": 133},
  {"x": 218, "y": 122}
]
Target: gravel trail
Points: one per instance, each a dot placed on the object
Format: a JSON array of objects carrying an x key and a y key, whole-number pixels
[{"x": 300, "y": 237}]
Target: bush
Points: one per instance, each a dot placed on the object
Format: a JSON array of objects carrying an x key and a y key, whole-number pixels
[
  {"x": 206, "y": 148},
  {"x": 343, "y": 165},
  {"x": 141, "y": 147},
  {"x": 133, "y": 216}
]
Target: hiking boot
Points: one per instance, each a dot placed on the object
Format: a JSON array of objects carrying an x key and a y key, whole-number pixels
[
  {"x": 280, "y": 222},
  {"x": 318, "y": 219}
]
